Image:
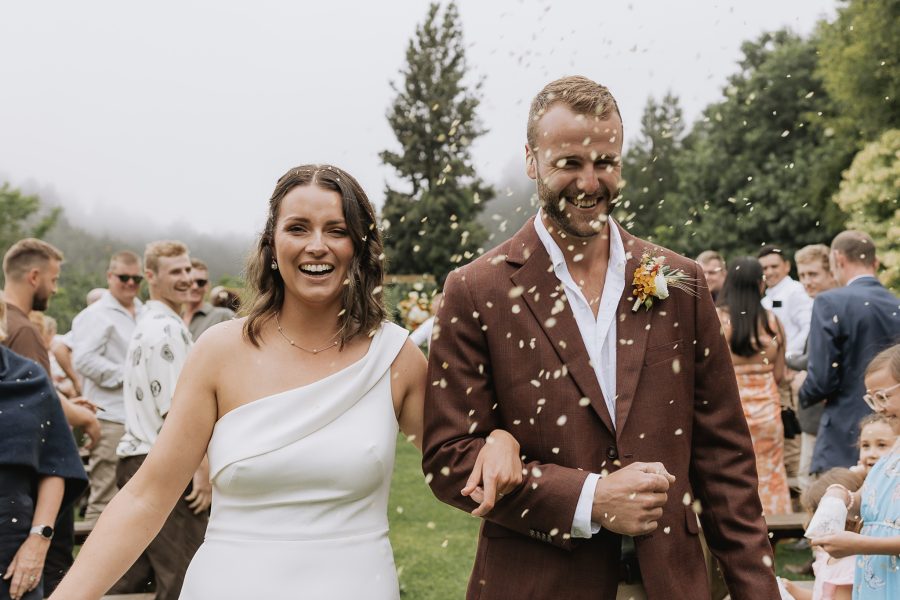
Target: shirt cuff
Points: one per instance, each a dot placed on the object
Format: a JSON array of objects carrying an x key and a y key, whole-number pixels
[{"x": 582, "y": 526}]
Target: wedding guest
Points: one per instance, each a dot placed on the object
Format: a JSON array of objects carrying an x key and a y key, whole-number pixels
[
  {"x": 422, "y": 334},
  {"x": 298, "y": 405},
  {"x": 226, "y": 298},
  {"x": 785, "y": 297},
  {"x": 31, "y": 268},
  {"x": 156, "y": 353},
  {"x": 756, "y": 340},
  {"x": 833, "y": 575},
  {"x": 876, "y": 438},
  {"x": 877, "y": 576},
  {"x": 100, "y": 335},
  {"x": 199, "y": 314},
  {"x": 850, "y": 324},
  {"x": 40, "y": 471},
  {"x": 621, "y": 394},
  {"x": 714, "y": 272},
  {"x": 814, "y": 272}
]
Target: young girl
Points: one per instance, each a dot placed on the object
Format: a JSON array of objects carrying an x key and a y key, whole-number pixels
[
  {"x": 834, "y": 576},
  {"x": 876, "y": 438},
  {"x": 878, "y": 503}
]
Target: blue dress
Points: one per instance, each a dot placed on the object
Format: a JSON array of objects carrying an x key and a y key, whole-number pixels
[{"x": 878, "y": 575}]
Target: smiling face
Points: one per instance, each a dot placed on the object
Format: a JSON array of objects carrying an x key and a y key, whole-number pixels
[
  {"x": 313, "y": 247},
  {"x": 171, "y": 283},
  {"x": 875, "y": 440},
  {"x": 576, "y": 162},
  {"x": 881, "y": 380},
  {"x": 198, "y": 292},
  {"x": 815, "y": 277},
  {"x": 775, "y": 268},
  {"x": 124, "y": 292}
]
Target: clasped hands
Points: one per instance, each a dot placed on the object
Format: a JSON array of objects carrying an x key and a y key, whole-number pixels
[
  {"x": 497, "y": 471},
  {"x": 630, "y": 501}
]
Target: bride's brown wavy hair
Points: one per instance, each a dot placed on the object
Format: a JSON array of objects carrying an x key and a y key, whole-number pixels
[{"x": 362, "y": 300}]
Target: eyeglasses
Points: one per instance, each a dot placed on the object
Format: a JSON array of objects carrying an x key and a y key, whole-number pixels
[
  {"x": 879, "y": 399},
  {"x": 201, "y": 282},
  {"x": 137, "y": 279}
]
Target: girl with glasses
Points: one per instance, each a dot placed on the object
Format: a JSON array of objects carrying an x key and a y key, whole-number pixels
[{"x": 878, "y": 502}]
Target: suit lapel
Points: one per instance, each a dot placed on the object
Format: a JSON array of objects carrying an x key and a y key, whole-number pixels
[
  {"x": 545, "y": 298},
  {"x": 632, "y": 331}
]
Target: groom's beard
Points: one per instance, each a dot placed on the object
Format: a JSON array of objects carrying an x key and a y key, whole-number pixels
[{"x": 556, "y": 206}]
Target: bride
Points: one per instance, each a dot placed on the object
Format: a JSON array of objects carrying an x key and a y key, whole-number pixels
[{"x": 298, "y": 407}]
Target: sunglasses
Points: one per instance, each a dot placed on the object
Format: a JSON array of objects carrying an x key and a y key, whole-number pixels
[
  {"x": 879, "y": 399},
  {"x": 201, "y": 282},
  {"x": 137, "y": 279}
]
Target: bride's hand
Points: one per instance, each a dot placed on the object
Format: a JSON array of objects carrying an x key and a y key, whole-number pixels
[{"x": 497, "y": 471}]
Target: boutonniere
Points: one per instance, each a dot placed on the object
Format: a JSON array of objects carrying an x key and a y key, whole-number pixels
[{"x": 652, "y": 279}]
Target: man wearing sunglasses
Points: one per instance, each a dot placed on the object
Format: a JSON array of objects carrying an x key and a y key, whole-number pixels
[
  {"x": 199, "y": 314},
  {"x": 100, "y": 336}
]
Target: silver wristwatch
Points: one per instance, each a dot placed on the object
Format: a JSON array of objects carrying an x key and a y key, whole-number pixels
[{"x": 45, "y": 531}]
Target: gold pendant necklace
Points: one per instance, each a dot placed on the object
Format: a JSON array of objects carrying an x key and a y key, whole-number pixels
[{"x": 299, "y": 347}]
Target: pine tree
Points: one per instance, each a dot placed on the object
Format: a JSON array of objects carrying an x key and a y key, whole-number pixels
[
  {"x": 649, "y": 168},
  {"x": 431, "y": 226}
]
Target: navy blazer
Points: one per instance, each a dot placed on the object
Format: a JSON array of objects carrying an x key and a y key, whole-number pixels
[{"x": 850, "y": 325}]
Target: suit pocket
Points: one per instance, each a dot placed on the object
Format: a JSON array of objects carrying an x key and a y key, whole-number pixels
[
  {"x": 492, "y": 530},
  {"x": 690, "y": 521},
  {"x": 662, "y": 352}
]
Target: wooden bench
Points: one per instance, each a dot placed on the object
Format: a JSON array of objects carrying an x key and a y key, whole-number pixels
[
  {"x": 786, "y": 526},
  {"x": 82, "y": 530}
]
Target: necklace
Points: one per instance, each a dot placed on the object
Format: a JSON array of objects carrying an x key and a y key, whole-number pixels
[{"x": 309, "y": 350}]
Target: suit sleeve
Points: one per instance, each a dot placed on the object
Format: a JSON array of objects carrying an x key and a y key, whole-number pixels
[
  {"x": 723, "y": 466},
  {"x": 460, "y": 413},
  {"x": 823, "y": 379}
]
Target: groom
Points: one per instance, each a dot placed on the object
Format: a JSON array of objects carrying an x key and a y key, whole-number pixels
[{"x": 629, "y": 418}]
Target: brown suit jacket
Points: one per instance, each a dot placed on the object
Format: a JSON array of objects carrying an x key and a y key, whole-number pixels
[{"x": 506, "y": 353}]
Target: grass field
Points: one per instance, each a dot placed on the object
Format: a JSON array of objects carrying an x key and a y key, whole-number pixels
[{"x": 434, "y": 544}]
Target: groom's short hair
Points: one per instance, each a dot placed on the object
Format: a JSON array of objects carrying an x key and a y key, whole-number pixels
[{"x": 579, "y": 94}]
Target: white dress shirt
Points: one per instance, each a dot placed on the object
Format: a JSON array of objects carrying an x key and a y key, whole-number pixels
[
  {"x": 157, "y": 352},
  {"x": 99, "y": 339},
  {"x": 795, "y": 312},
  {"x": 599, "y": 337}
]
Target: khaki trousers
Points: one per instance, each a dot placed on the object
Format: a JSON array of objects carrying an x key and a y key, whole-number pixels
[
  {"x": 102, "y": 469},
  {"x": 791, "y": 445},
  {"x": 807, "y": 447},
  {"x": 166, "y": 559}
]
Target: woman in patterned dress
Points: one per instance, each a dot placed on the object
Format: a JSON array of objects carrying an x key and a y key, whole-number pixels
[{"x": 757, "y": 351}]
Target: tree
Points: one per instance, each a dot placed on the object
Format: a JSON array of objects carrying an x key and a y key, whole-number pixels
[
  {"x": 20, "y": 217},
  {"x": 762, "y": 164},
  {"x": 860, "y": 64},
  {"x": 649, "y": 168},
  {"x": 869, "y": 195},
  {"x": 431, "y": 225}
]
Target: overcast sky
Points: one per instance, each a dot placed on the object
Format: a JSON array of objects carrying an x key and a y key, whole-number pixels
[{"x": 189, "y": 111}]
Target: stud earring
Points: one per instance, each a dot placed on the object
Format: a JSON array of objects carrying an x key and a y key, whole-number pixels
[{"x": 274, "y": 265}]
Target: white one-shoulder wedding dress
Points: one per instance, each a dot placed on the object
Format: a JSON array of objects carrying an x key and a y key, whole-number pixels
[{"x": 300, "y": 490}]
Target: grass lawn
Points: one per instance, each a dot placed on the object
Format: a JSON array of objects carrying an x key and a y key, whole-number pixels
[{"x": 434, "y": 544}]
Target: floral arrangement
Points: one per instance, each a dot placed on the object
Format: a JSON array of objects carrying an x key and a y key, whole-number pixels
[
  {"x": 652, "y": 279},
  {"x": 415, "y": 309}
]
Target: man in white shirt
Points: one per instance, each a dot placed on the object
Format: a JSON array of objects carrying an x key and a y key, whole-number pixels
[
  {"x": 625, "y": 405},
  {"x": 786, "y": 297},
  {"x": 99, "y": 338},
  {"x": 158, "y": 349}
]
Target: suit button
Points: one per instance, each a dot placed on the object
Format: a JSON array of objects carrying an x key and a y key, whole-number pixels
[{"x": 612, "y": 453}]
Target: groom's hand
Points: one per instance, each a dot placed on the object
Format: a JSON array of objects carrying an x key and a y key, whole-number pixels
[
  {"x": 497, "y": 471},
  {"x": 630, "y": 501}
]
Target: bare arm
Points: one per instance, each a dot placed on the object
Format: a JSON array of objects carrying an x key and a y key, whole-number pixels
[
  {"x": 142, "y": 506},
  {"x": 408, "y": 390}
]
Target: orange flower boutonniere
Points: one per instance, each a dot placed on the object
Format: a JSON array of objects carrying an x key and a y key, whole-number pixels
[{"x": 652, "y": 279}]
